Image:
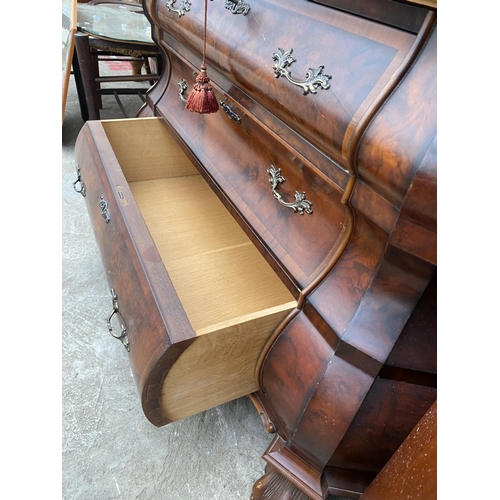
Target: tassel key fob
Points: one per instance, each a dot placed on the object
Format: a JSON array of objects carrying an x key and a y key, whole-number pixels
[{"x": 202, "y": 98}]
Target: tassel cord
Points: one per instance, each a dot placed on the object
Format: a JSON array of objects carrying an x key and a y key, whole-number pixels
[
  {"x": 202, "y": 98},
  {"x": 205, "y": 33}
]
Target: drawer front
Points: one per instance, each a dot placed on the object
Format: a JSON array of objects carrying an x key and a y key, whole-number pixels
[
  {"x": 117, "y": 232},
  {"x": 120, "y": 261},
  {"x": 316, "y": 68},
  {"x": 240, "y": 161}
]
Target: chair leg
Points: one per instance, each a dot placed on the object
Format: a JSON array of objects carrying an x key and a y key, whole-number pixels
[
  {"x": 148, "y": 68},
  {"x": 95, "y": 67},
  {"x": 122, "y": 108},
  {"x": 79, "y": 88},
  {"x": 136, "y": 67},
  {"x": 87, "y": 75}
]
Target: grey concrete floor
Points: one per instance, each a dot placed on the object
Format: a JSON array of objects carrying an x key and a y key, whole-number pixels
[{"x": 109, "y": 449}]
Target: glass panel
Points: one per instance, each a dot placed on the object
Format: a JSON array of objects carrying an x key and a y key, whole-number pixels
[{"x": 115, "y": 22}]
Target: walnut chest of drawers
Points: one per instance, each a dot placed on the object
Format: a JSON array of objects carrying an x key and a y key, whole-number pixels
[{"x": 285, "y": 246}]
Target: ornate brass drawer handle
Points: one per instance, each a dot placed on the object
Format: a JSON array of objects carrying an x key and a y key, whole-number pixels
[
  {"x": 300, "y": 204},
  {"x": 230, "y": 112},
  {"x": 315, "y": 77},
  {"x": 237, "y": 6},
  {"x": 82, "y": 184},
  {"x": 182, "y": 88},
  {"x": 184, "y": 7},
  {"x": 103, "y": 204},
  {"x": 123, "y": 332}
]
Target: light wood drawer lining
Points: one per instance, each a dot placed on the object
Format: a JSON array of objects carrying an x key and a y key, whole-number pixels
[
  {"x": 146, "y": 150},
  {"x": 217, "y": 272}
]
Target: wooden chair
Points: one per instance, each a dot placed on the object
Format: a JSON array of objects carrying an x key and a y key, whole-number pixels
[
  {"x": 68, "y": 46},
  {"x": 91, "y": 50}
]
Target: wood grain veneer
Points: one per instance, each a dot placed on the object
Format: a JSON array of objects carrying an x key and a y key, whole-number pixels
[{"x": 210, "y": 260}]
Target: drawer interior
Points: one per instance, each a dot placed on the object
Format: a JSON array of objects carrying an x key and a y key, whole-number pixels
[{"x": 231, "y": 296}]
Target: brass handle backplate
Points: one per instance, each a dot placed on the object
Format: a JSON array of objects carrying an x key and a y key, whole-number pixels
[
  {"x": 237, "y": 6},
  {"x": 184, "y": 7},
  {"x": 103, "y": 205},
  {"x": 182, "y": 88},
  {"x": 229, "y": 110}
]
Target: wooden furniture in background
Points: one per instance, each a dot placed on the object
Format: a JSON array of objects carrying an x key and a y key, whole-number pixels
[
  {"x": 412, "y": 470},
  {"x": 118, "y": 30},
  {"x": 333, "y": 330},
  {"x": 68, "y": 46}
]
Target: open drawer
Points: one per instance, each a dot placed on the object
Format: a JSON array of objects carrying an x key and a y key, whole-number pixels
[{"x": 192, "y": 299}]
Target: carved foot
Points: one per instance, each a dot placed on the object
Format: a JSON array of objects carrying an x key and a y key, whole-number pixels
[
  {"x": 260, "y": 407},
  {"x": 274, "y": 486}
]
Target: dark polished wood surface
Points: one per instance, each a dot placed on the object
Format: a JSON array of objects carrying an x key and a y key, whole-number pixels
[
  {"x": 160, "y": 336},
  {"x": 412, "y": 470}
]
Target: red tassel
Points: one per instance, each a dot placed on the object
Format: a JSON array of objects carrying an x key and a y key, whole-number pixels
[{"x": 202, "y": 98}]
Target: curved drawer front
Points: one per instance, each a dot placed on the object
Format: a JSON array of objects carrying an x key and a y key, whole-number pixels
[
  {"x": 400, "y": 145},
  {"x": 194, "y": 332},
  {"x": 123, "y": 262},
  {"x": 317, "y": 68},
  {"x": 241, "y": 160}
]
